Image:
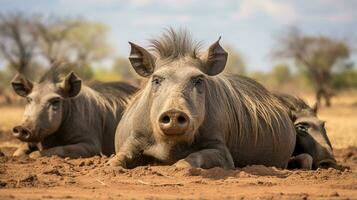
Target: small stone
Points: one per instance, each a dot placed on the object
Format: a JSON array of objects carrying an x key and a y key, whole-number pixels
[
  {"x": 2, "y": 184},
  {"x": 334, "y": 194},
  {"x": 89, "y": 162},
  {"x": 81, "y": 164}
]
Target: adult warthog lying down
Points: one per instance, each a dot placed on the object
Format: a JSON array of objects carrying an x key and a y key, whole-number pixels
[
  {"x": 187, "y": 115},
  {"x": 313, "y": 148},
  {"x": 67, "y": 118}
]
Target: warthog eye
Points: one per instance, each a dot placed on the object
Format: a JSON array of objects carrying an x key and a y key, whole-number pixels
[
  {"x": 55, "y": 102},
  {"x": 302, "y": 127},
  {"x": 156, "y": 80},
  {"x": 197, "y": 81}
]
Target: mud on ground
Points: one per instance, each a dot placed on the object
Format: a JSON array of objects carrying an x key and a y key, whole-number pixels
[{"x": 58, "y": 178}]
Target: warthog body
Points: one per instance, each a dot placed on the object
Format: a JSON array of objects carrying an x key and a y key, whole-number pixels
[
  {"x": 313, "y": 148},
  {"x": 67, "y": 118},
  {"x": 187, "y": 116}
]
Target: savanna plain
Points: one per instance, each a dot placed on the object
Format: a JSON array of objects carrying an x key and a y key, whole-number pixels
[{"x": 89, "y": 178}]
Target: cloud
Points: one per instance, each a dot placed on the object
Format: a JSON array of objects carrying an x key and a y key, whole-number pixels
[
  {"x": 342, "y": 12},
  {"x": 341, "y": 17},
  {"x": 167, "y": 3},
  {"x": 140, "y": 2},
  {"x": 88, "y": 2},
  {"x": 278, "y": 10},
  {"x": 159, "y": 19}
]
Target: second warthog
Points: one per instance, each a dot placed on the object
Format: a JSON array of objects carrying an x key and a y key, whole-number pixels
[
  {"x": 313, "y": 148},
  {"x": 67, "y": 118},
  {"x": 190, "y": 116}
]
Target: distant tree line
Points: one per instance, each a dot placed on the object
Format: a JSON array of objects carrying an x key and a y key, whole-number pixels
[
  {"x": 322, "y": 58},
  {"x": 30, "y": 41}
]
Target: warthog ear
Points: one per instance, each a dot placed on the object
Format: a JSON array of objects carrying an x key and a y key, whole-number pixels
[
  {"x": 71, "y": 85},
  {"x": 216, "y": 59},
  {"x": 315, "y": 107},
  {"x": 141, "y": 60},
  {"x": 21, "y": 85},
  {"x": 293, "y": 115}
]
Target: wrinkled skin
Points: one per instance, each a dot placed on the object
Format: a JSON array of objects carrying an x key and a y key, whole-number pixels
[
  {"x": 168, "y": 121},
  {"x": 57, "y": 121},
  {"x": 313, "y": 148},
  {"x": 174, "y": 88}
]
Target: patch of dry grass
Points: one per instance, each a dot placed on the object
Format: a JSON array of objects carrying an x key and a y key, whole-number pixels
[{"x": 341, "y": 120}]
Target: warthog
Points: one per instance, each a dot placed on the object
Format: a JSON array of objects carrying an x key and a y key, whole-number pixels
[
  {"x": 67, "y": 118},
  {"x": 187, "y": 116},
  {"x": 313, "y": 148}
]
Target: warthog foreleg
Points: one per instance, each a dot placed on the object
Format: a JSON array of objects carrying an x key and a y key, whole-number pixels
[
  {"x": 208, "y": 158},
  {"x": 25, "y": 148},
  {"x": 301, "y": 161},
  {"x": 72, "y": 151},
  {"x": 128, "y": 153}
]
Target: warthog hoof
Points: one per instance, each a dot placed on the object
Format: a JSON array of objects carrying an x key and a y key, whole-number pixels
[
  {"x": 19, "y": 152},
  {"x": 23, "y": 149},
  {"x": 302, "y": 161},
  {"x": 182, "y": 164},
  {"x": 117, "y": 161},
  {"x": 35, "y": 154}
]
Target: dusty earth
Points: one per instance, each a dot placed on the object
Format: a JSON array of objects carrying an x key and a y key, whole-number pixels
[{"x": 57, "y": 178}]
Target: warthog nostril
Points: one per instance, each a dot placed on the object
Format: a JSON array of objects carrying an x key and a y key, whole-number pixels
[
  {"x": 165, "y": 119},
  {"x": 181, "y": 120},
  {"x": 21, "y": 132},
  {"x": 25, "y": 133},
  {"x": 174, "y": 122},
  {"x": 16, "y": 131}
]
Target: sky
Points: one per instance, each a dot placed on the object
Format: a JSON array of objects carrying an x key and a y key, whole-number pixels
[{"x": 250, "y": 26}]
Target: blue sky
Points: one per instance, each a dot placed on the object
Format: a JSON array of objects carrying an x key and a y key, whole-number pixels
[{"x": 248, "y": 25}]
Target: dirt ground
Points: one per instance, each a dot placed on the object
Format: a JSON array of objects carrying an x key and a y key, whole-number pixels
[{"x": 57, "y": 178}]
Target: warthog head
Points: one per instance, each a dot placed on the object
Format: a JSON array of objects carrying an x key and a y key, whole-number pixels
[
  {"x": 45, "y": 104},
  {"x": 312, "y": 136},
  {"x": 178, "y": 78}
]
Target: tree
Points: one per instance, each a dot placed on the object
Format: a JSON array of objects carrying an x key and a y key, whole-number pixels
[
  {"x": 317, "y": 54},
  {"x": 53, "y": 37},
  {"x": 235, "y": 62},
  {"x": 346, "y": 79},
  {"x": 17, "y": 41},
  {"x": 123, "y": 67},
  {"x": 281, "y": 74},
  {"x": 89, "y": 42}
]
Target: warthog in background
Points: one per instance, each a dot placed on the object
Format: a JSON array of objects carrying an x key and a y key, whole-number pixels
[
  {"x": 187, "y": 116},
  {"x": 67, "y": 118},
  {"x": 313, "y": 148}
]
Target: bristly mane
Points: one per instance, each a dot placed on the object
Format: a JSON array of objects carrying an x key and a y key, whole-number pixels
[
  {"x": 246, "y": 106},
  {"x": 294, "y": 104},
  {"x": 106, "y": 96},
  {"x": 175, "y": 44}
]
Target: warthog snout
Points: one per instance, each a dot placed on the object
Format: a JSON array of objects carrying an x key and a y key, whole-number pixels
[
  {"x": 327, "y": 163},
  {"x": 21, "y": 132},
  {"x": 174, "y": 122}
]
